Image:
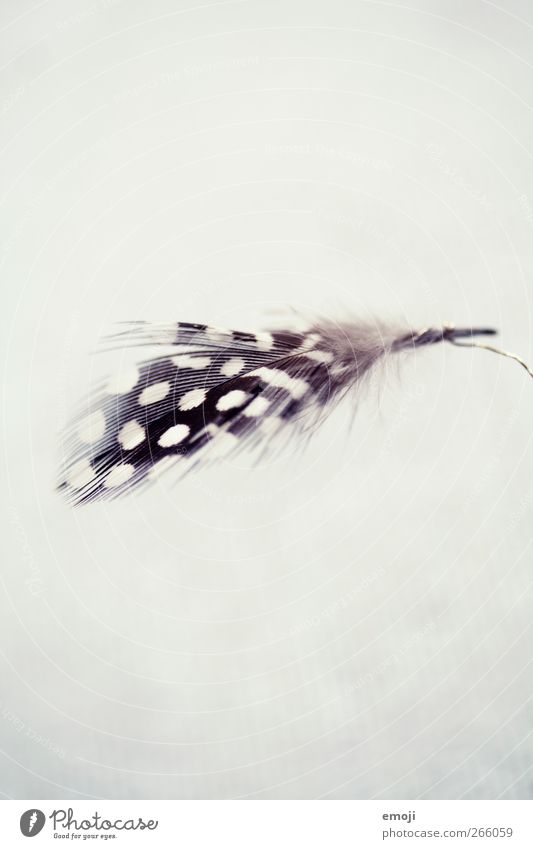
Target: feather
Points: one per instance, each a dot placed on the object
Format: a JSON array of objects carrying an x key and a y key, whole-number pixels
[{"x": 218, "y": 391}]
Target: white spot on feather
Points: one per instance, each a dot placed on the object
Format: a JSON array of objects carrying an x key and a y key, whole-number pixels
[
  {"x": 218, "y": 335},
  {"x": 124, "y": 381},
  {"x": 174, "y": 435},
  {"x": 154, "y": 393},
  {"x": 118, "y": 475},
  {"x": 232, "y": 367},
  {"x": 320, "y": 356},
  {"x": 80, "y": 474},
  {"x": 131, "y": 435},
  {"x": 295, "y": 386},
  {"x": 257, "y": 407},
  {"x": 264, "y": 341},
  {"x": 192, "y": 399},
  {"x": 309, "y": 341},
  {"x": 92, "y": 428},
  {"x": 235, "y": 398},
  {"x": 186, "y": 361}
]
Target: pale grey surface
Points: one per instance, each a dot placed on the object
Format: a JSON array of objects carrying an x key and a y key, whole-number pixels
[{"x": 355, "y": 622}]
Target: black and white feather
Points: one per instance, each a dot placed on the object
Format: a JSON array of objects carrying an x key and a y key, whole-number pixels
[{"x": 217, "y": 391}]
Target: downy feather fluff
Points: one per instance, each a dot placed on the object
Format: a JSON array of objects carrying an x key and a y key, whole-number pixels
[{"x": 217, "y": 391}]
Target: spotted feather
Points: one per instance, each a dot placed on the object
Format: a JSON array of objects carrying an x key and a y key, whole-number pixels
[{"x": 216, "y": 392}]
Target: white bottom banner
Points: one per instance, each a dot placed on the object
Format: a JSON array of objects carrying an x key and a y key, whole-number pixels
[{"x": 269, "y": 824}]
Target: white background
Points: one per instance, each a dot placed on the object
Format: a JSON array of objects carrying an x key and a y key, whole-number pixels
[{"x": 351, "y": 622}]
